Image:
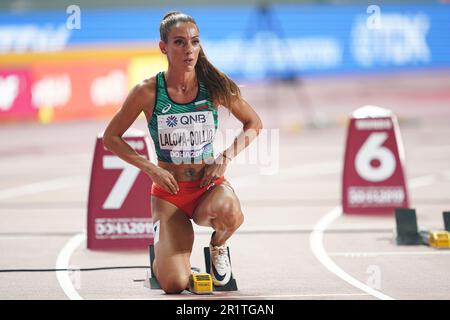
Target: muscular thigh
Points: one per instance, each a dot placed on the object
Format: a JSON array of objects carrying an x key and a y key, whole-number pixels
[
  {"x": 214, "y": 201},
  {"x": 176, "y": 236}
]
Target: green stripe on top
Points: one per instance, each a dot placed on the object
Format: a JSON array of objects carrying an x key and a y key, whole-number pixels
[{"x": 182, "y": 132}]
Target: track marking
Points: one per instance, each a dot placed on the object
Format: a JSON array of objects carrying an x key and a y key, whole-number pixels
[
  {"x": 356, "y": 228},
  {"x": 316, "y": 238},
  {"x": 387, "y": 253},
  {"x": 42, "y": 186},
  {"x": 281, "y": 296},
  {"x": 286, "y": 174},
  {"x": 316, "y": 241},
  {"x": 423, "y": 181},
  {"x": 71, "y": 246},
  {"x": 62, "y": 262},
  {"x": 310, "y": 170}
]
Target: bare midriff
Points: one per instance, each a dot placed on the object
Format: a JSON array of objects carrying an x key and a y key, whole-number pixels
[{"x": 184, "y": 171}]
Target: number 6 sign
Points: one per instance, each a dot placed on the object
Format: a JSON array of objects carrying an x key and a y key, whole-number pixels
[
  {"x": 119, "y": 215},
  {"x": 373, "y": 177}
]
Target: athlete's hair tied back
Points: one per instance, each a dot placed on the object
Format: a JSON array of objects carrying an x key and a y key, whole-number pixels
[{"x": 221, "y": 89}]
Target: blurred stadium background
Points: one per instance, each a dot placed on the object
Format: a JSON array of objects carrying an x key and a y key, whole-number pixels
[{"x": 64, "y": 62}]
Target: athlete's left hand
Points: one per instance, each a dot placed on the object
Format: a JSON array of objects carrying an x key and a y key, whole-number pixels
[{"x": 214, "y": 171}]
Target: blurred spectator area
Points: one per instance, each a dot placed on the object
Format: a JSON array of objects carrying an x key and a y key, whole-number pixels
[
  {"x": 27, "y": 5},
  {"x": 52, "y": 69}
]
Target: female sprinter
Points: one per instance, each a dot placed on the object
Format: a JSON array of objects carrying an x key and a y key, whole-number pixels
[{"x": 180, "y": 105}]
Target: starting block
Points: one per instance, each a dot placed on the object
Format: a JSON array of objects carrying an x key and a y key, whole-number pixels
[
  {"x": 408, "y": 232},
  {"x": 406, "y": 225},
  {"x": 154, "y": 284},
  {"x": 446, "y": 215},
  {"x": 199, "y": 283},
  {"x": 439, "y": 239}
]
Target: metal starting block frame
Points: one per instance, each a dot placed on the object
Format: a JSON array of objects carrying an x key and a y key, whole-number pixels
[
  {"x": 406, "y": 227},
  {"x": 231, "y": 285},
  {"x": 446, "y": 215},
  {"x": 408, "y": 232},
  {"x": 154, "y": 284}
]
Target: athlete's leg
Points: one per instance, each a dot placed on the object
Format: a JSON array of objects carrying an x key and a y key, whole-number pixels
[
  {"x": 173, "y": 250},
  {"x": 220, "y": 209}
]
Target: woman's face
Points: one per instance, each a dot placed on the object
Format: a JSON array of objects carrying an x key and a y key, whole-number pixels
[{"x": 183, "y": 46}]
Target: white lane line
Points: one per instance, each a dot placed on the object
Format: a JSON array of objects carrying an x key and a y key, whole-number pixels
[
  {"x": 285, "y": 174},
  {"x": 281, "y": 296},
  {"x": 312, "y": 169},
  {"x": 42, "y": 186},
  {"x": 299, "y": 229},
  {"x": 387, "y": 253},
  {"x": 316, "y": 242},
  {"x": 62, "y": 262},
  {"x": 71, "y": 246},
  {"x": 71, "y": 292},
  {"x": 423, "y": 181}
]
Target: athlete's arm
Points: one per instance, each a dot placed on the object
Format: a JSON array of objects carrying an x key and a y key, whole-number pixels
[
  {"x": 141, "y": 97},
  {"x": 252, "y": 125}
]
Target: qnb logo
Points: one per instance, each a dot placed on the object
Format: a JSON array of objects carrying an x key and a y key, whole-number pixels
[
  {"x": 171, "y": 121},
  {"x": 198, "y": 118}
]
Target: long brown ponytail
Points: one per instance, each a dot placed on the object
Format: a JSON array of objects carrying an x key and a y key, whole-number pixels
[{"x": 221, "y": 88}]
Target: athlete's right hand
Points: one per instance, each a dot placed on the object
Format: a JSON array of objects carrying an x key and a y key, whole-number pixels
[{"x": 163, "y": 178}]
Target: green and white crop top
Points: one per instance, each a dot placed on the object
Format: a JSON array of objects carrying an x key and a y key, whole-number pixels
[{"x": 182, "y": 133}]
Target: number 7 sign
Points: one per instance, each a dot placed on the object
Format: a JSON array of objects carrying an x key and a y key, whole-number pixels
[
  {"x": 123, "y": 184},
  {"x": 373, "y": 177},
  {"x": 119, "y": 213}
]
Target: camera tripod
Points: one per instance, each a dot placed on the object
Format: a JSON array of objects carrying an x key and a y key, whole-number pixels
[{"x": 281, "y": 71}]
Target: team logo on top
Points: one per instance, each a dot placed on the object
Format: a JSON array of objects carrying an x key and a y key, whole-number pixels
[
  {"x": 171, "y": 121},
  {"x": 166, "y": 108}
]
